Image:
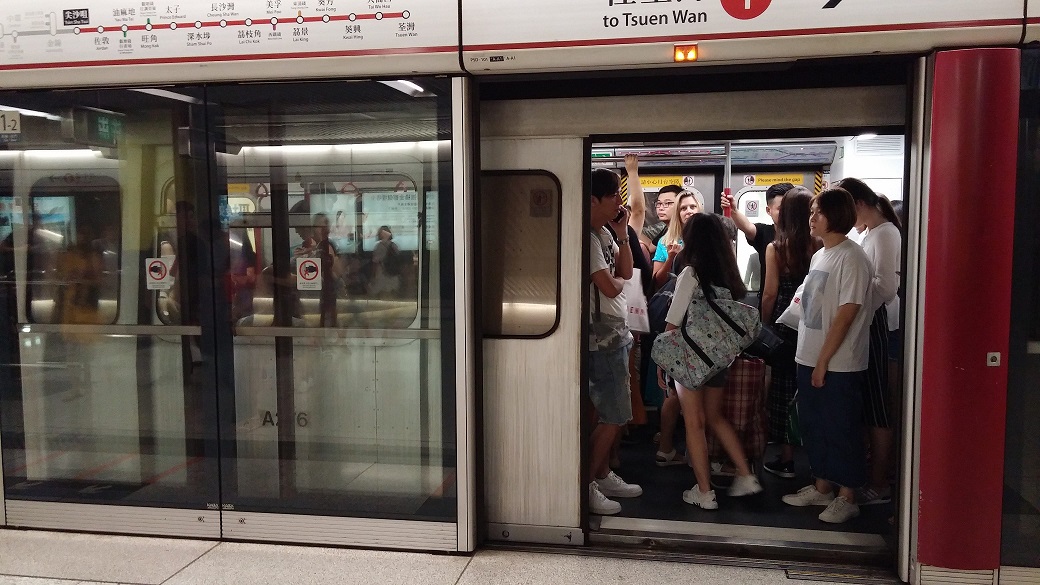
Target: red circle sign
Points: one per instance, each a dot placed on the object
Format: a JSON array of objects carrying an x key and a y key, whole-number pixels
[
  {"x": 745, "y": 9},
  {"x": 308, "y": 270},
  {"x": 157, "y": 270}
]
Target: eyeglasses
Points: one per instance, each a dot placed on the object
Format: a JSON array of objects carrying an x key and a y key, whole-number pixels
[{"x": 664, "y": 203}]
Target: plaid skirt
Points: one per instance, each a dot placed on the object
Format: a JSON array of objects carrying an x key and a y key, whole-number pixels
[{"x": 743, "y": 406}]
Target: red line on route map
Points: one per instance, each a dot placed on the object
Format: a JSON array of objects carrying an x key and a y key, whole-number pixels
[{"x": 287, "y": 20}]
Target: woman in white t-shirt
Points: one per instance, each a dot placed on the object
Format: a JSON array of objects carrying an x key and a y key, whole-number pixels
[
  {"x": 832, "y": 360},
  {"x": 883, "y": 245}
]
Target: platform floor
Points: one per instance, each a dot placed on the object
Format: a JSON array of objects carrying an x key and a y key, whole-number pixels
[{"x": 52, "y": 558}]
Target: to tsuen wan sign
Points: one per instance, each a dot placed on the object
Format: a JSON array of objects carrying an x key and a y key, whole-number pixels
[{"x": 504, "y": 28}]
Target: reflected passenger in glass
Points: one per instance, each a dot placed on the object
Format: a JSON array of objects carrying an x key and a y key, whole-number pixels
[{"x": 387, "y": 261}]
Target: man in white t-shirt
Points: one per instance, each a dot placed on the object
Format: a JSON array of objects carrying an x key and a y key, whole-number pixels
[
  {"x": 832, "y": 360},
  {"x": 610, "y": 265}
]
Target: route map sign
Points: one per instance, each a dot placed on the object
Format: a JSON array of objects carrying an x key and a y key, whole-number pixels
[{"x": 49, "y": 33}]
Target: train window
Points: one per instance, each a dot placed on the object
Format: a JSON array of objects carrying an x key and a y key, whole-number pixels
[
  {"x": 520, "y": 243},
  {"x": 74, "y": 254},
  {"x": 752, "y": 203},
  {"x": 363, "y": 233}
]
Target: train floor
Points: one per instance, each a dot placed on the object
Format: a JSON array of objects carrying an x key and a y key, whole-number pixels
[{"x": 663, "y": 487}]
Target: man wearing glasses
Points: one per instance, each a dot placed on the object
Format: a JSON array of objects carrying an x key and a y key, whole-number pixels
[{"x": 666, "y": 199}]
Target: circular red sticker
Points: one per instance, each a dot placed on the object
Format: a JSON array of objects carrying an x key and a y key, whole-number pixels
[
  {"x": 745, "y": 9},
  {"x": 308, "y": 270},
  {"x": 157, "y": 270}
]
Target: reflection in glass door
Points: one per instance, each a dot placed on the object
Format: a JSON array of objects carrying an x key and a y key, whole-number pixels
[
  {"x": 343, "y": 397},
  {"x": 235, "y": 302},
  {"x": 102, "y": 402}
]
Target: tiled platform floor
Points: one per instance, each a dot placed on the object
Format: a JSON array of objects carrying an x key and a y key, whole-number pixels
[{"x": 51, "y": 558}]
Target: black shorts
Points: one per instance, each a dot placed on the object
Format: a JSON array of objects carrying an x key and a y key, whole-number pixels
[{"x": 718, "y": 380}]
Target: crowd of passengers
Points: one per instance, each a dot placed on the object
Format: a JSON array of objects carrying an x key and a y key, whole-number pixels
[{"x": 838, "y": 377}]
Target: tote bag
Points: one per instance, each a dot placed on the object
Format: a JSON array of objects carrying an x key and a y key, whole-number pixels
[
  {"x": 638, "y": 318},
  {"x": 713, "y": 332}
]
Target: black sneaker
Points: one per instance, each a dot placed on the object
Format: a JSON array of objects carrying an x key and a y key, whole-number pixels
[{"x": 783, "y": 469}]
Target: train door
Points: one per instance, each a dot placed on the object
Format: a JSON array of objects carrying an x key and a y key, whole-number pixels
[
  {"x": 531, "y": 251},
  {"x": 109, "y": 414},
  {"x": 232, "y": 314},
  {"x": 528, "y": 135}
]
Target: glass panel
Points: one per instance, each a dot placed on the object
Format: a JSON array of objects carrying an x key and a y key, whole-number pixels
[
  {"x": 520, "y": 221},
  {"x": 747, "y": 257},
  {"x": 1021, "y": 520},
  {"x": 339, "y": 274},
  {"x": 100, "y": 402}
]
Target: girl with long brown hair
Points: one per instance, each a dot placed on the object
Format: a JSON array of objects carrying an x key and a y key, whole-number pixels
[{"x": 787, "y": 263}]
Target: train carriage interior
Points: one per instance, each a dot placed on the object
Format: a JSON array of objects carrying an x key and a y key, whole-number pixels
[{"x": 756, "y": 164}]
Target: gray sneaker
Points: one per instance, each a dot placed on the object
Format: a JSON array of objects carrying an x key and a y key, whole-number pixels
[
  {"x": 808, "y": 496},
  {"x": 840, "y": 510},
  {"x": 868, "y": 496}
]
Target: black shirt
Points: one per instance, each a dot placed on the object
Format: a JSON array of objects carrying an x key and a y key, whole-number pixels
[{"x": 764, "y": 235}]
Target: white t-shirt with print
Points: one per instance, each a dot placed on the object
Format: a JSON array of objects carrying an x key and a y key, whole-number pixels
[
  {"x": 837, "y": 276},
  {"x": 613, "y": 311}
]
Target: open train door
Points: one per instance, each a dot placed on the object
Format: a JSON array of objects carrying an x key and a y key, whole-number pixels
[{"x": 531, "y": 211}]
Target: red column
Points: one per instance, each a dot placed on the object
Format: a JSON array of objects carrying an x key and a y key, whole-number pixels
[{"x": 967, "y": 310}]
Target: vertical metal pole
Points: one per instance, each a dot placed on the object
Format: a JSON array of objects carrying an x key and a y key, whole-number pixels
[
  {"x": 466, "y": 365},
  {"x": 727, "y": 172}
]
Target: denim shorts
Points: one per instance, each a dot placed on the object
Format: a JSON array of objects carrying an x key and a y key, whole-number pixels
[{"x": 608, "y": 385}]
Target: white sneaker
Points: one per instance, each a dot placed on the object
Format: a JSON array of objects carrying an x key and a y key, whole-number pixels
[
  {"x": 663, "y": 459},
  {"x": 717, "y": 468},
  {"x": 840, "y": 510},
  {"x": 808, "y": 496},
  {"x": 745, "y": 485},
  {"x": 600, "y": 504},
  {"x": 704, "y": 500},
  {"x": 614, "y": 486}
]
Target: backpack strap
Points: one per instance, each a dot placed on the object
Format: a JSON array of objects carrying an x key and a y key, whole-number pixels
[{"x": 724, "y": 316}]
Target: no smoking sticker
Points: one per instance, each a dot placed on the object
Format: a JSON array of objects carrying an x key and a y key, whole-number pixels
[
  {"x": 157, "y": 273},
  {"x": 751, "y": 208},
  {"x": 745, "y": 9},
  {"x": 308, "y": 274}
]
